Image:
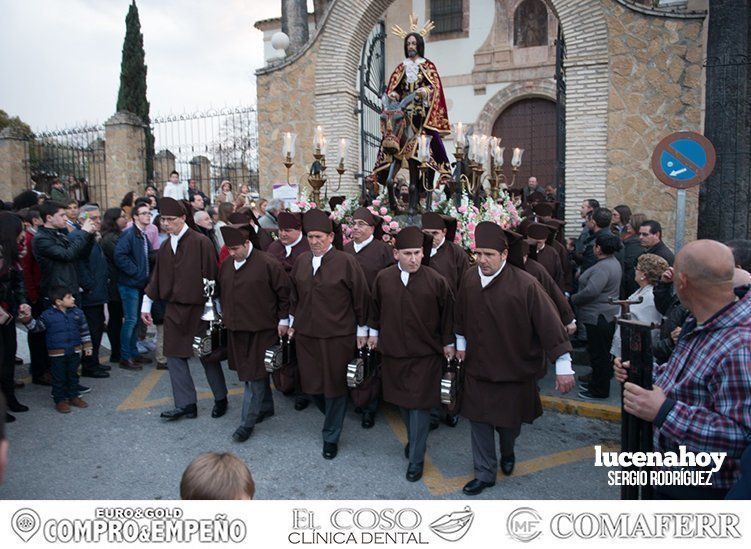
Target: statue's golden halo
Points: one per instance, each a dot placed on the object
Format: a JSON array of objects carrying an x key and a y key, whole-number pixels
[{"x": 401, "y": 33}]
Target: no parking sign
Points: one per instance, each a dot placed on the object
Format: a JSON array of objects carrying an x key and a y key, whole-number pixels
[{"x": 683, "y": 160}]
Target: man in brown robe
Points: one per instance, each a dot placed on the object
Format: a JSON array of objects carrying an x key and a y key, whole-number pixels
[
  {"x": 547, "y": 255},
  {"x": 328, "y": 319},
  {"x": 253, "y": 325},
  {"x": 505, "y": 325},
  {"x": 290, "y": 244},
  {"x": 533, "y": 267},
  {"x": 182, "y": 263},
  {"x": 545, "y": 214},
  {"x": 373, "y": 255},
  {"x": 451, "y": 261},
  {"x": 412, "y": 325},
  {"x": 446, "y": 257}
]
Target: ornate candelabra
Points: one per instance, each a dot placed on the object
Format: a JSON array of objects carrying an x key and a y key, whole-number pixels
[
  {"x": 317, "y": 174},
  {"x": 288, "y": 151}
]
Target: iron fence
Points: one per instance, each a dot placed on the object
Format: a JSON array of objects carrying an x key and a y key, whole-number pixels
[
  {"x": 76, "y": 156},
  {"x": 208, "y": 146}
]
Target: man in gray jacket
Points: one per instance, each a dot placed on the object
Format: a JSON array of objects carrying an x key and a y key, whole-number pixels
[{"x": 596, "y": 285}]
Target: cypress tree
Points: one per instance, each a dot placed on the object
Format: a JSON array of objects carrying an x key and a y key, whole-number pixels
[{"x": 132, "y": 94}]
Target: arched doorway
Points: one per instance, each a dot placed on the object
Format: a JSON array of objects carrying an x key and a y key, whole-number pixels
[{"x": 531, "y": 125}]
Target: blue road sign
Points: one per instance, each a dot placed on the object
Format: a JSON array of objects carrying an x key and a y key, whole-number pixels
[{"x": 683, "y": 159}]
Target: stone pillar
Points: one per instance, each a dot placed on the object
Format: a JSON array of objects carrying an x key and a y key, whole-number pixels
[
  {"x": 200, "y": 170},
  {"x": 125, "y": 156},
  {"x": 725, "y": 198},
  {"x": 164, "y": 164},
  {"x": 14, "y": 152},
  {"x": 97, "y": 172},
  {"x": 295, "y": 23}
]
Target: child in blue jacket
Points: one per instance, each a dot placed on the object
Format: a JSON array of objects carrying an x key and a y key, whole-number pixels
[{"x": 67, "y": 334}]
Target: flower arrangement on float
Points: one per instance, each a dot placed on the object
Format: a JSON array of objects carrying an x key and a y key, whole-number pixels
[{"x": 502, "y": 212}]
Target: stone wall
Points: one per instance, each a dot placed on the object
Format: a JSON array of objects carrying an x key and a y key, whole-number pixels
[
  {"x": 14, "y": 148},
  {"x": 286, "y": 104},
  {"x": 125, "y": 158},
  {"x": 656, "y": 88}
]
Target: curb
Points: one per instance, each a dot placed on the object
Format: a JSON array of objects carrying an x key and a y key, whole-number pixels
[{"x": 605, "y": 412}]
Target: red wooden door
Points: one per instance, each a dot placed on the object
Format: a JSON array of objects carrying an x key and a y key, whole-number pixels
[{"x": 530, "y": 125}]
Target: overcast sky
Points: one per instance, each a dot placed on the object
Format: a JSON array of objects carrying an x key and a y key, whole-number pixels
[{"x": 60, "y": 59}]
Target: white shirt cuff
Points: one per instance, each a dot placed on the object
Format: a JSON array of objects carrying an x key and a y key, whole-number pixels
[
  {"x": 284, "y": 322},
  {"x": 362, "y": 331},
  {"x": 563, "y": 365},
  {"x": 146, "y": 306},
  {"x": 461, "y": 343},
  {"x": 291, "y": 320},
  {"x": 373, "y": 331}
]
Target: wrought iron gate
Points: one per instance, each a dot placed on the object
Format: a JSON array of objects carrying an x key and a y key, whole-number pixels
[
  {"x": 560, "y": 107},
  {"x": 372, "y": 84}
]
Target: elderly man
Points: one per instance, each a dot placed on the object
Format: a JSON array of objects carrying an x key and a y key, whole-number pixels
[
  {"x": 505, "y": 327},
  {"x": 373, "y": 255},
  {"x": 701, "y": 398},
  {"x": 290, "y": 244},
  {"x": 92, "y": 278},
  {"x": 182, "y": 264},
  {"x": 270, "y": 220},
  {"x": 329, "y": 313},
  {"x": 204, "y": 224}
]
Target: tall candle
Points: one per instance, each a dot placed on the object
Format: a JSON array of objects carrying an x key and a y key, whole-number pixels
[{"x": 516, "y": 160}]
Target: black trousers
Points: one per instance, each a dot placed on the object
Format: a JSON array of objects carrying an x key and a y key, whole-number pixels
[
  {"x": 95, "y": 319},
  {"x": 8, "y": 346},
  {"x": 114, "y": 326},
  {"x": 40, "y": 361},
  {"x": 599, "y": 340}
]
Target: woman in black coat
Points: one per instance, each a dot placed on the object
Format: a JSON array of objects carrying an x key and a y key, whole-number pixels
[
  {"x": 113, "y": 223},
  {"x": 12, "y": 303}
]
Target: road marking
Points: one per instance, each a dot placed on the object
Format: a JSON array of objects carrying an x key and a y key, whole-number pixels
[
  {"x": 439, "y": 485},
  {"x": 137, "y": 399}
]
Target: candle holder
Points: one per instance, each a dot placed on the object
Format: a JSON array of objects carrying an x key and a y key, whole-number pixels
[
  {"x": 288, "y": 164},
  {"x": 340, "y": 170},
  {"x": 317, "y": 176}
]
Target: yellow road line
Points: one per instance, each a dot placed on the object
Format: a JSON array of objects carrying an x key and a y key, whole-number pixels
[
  {"x": 137, "y": 398},
  {"x": 439, "y": 485},
  {"x": 606, "y": 412}
]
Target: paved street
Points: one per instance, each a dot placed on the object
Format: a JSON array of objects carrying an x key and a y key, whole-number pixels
[{"x": 118, "y": 448}]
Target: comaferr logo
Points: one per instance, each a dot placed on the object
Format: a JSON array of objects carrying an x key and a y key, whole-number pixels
[
  {"x": 454, "y": 526},
  {"x": 524, "y": 524}
]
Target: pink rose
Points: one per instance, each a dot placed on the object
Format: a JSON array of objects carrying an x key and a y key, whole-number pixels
[
  {"x": 462, "y": 209},
  {"x": 383, "y": 211},
  {"x": 471, "y": 227},
  {"x": 376, "y": 203},
  {"x": 387, "y": 218},
  {"x": 313, "y": 205},
  {"x": 394, "y": 225}
]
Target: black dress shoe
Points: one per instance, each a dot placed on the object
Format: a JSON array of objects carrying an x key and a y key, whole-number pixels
[
  {"x": 9, "y": 418},
  {"x": 507, "y": 464},
  {"x": 220, "y": 408},
  {"x": 94, "y": 372},
  {"x": 242, "y": 434},
  {"x": 15, "y": 406},
  {"x": 301, "y": 403},
  {"x": 330, "y": 450},
  {"x": 451, "y": 420},
  {"x": 264, "y": 415},
  {"x": 414, "y": 472},
  {"x": 105, "y": 367},
  {"x": 434, "y": 424},
  {"x": 474, "y": 487},
  {"x": 19, "y": 361},
  {"x": 368, "y": 420},
  {"x": 406, "y": 451},
  {"x": 190, "y": 411},
  {"x": 127, "y": 364}
]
